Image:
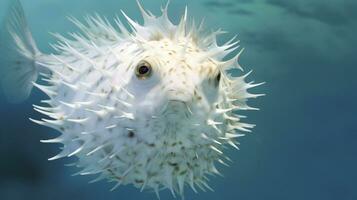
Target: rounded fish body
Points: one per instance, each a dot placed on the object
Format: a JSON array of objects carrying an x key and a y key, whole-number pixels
[{"x": 153, "y": 106}]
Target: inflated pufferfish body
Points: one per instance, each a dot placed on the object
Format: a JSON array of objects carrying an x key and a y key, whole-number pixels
[{"x": 152, "y": 106}]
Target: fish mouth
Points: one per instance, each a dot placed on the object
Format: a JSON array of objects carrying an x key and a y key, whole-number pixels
[{"x": 175, "y": 108}]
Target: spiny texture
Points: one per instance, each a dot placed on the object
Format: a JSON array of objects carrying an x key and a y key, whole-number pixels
[{"x": 167, "y": 130}]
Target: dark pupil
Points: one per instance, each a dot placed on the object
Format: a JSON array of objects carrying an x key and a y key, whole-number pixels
[
  {"x": 218, "y": 77},
  {"x": 143, "y": 69}
]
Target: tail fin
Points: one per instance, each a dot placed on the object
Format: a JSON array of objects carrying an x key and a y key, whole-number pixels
[{"x": 18, "y": 53}]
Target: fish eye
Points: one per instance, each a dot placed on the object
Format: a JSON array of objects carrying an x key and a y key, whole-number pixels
[
  {"x": 143, "y": 70},
  {"x": 218, "y": 77}
]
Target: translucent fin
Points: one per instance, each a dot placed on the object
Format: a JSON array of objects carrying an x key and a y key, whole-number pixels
[{"x": 18, "y": 53}]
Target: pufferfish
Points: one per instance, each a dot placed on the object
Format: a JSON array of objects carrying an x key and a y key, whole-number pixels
[{"x": 153, "y": 105}]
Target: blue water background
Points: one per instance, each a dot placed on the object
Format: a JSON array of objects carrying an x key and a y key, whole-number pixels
[{"x": 305, "y": 144}]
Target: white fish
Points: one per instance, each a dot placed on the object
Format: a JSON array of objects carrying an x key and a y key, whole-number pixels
[{"x": 153, "y": 106}]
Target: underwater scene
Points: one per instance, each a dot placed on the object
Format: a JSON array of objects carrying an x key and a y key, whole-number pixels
[{"x": 146, "y": 100}]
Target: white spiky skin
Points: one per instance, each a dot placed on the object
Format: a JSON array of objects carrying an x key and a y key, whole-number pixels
[{"x": 139, "y": 132}]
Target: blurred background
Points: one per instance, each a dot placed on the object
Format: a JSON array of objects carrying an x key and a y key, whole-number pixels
[{"x": 305, "y": 142}]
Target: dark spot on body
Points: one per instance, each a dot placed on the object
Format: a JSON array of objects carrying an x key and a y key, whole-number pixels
[
  {"x": 183, "y": 172},
  {"x": 131, "y": 134},
  {"x": 173, "y": 164},
  {"x": 139, "y": 181},
  {"x": 189, "y": 165}
]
